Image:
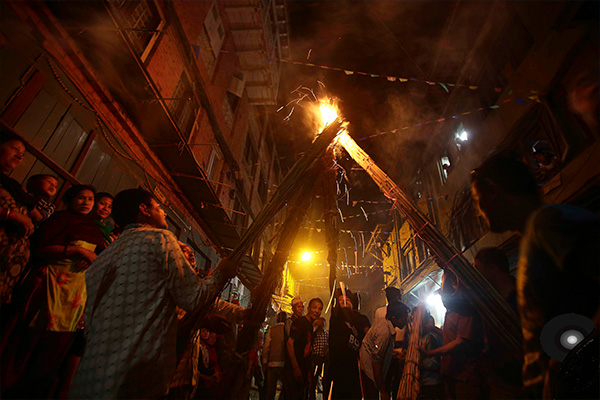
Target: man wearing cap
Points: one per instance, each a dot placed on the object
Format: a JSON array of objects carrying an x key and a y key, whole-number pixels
[{"x": 297, "y": 312}]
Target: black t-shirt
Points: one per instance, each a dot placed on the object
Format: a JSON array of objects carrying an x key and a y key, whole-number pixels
[
  {"x": 343, "y": 354},
  {"x": 360, "y": 321},
  {"x": 301, "y": 332}
]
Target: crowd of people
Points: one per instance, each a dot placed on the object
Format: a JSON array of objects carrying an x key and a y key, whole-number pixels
[{"x": 92, "y": 309}]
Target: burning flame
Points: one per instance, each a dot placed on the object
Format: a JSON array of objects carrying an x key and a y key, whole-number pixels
[{"x": 328, "y": 112}]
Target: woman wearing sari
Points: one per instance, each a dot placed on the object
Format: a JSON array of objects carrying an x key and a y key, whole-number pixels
[
  {"x": 15, "y": 225},
  {"x": 63, "y": 248}
]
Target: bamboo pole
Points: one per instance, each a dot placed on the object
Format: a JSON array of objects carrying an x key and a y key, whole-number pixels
[
  {"x": 261, "y": 296},
  {"x": 289, "y": 187},
  {"x": 483, "y": 296},
  {"x": 331, "y": 217},
  {"x": 409, "y": 388}
]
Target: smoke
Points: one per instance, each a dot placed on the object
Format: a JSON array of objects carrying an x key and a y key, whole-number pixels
[{"x": 421, "y": 40}]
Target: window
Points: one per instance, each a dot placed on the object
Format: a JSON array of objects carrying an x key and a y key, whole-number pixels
[
  {"x": 250, "y": 155},
  {"x": 444, "y": 167},
  {"x": 142, "y": 22},
  {"x": 182, "y": 104},
  {"x": 238, "y": 217},
  {"x": 214, "y": 29},
  {"x": 263, "y": 187},
  {"x": 212, "y": 166}
]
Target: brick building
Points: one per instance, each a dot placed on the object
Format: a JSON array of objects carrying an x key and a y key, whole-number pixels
[{"x": 172, "y": 96}]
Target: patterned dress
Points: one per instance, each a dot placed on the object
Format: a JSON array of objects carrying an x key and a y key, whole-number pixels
[
  {"x": 133, "y": 289},
  {"x": 61, "y": 309},
  {"x": 14, "y": 250}
]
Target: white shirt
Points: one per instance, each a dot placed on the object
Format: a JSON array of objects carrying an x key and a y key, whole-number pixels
[{"x": 378, "y": 346}]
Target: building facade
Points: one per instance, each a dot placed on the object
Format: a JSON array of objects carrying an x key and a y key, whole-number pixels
[
  {"x": 157, "y": 94},
  {"x": 541, "y": 75}
]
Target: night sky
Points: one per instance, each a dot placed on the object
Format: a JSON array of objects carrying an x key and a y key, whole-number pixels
[{"x": 427, "y": 41}]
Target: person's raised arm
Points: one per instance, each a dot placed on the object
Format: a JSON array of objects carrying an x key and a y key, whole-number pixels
[{"x": 189, "y": 293}]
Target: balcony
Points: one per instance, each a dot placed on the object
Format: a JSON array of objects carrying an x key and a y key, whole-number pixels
[{"x": 260, "y": 33}]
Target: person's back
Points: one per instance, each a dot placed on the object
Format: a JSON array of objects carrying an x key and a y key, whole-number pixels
[
  {"x": 131, "y": 315},
  {"x": 558, "y": 274},
  {"x": 133, "y": 288},
  {"x": 276, "y": 356}
]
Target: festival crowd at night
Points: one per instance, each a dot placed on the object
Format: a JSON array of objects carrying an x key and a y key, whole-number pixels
[{"x": 275, "y": 199}]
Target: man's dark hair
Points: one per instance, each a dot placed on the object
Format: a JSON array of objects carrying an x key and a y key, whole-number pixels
[
  {"x": 316, "y": 299},
  {"x": 102, "y": 195},
  {"x": 281, "y": 316},
  {"x": 507, "y": 170},
  {"x": 73, "y": 191},
  {"x": 397, "y": 310},
  {"x": 493, "y": 256},
  {"x": 392, "y": 294},
  {"x": 127, "y": 203},
  {"x": 35, "y": 179},
  {"x": 7, "y": 136}
]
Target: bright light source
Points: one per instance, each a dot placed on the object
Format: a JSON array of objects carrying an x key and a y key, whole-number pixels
[
  {"x": 434, "y": 300},
  {"x": 462, "y": 136},
  {"x": 306, "y": 256},
  {"x": 572, "y": 339}
]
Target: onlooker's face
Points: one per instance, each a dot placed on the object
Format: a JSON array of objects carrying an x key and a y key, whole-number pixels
[
  {"x": 188, "y": 253},
  {"x": 314, "y": 310},
  {"x": 83, "y": 203},
  {"x": 491, "y": 208},
  {"x": 298, "y": 309},
  {"x": 212, "y": 339},
  {"x": 48, "y": 185},
  {"x": 11, "y": 155},
  {"x": 103, "y": 208},
  {"x": 154, "y": 215},
  {"x": 344, "y": 302},
  {"x": 204, "y": 334}
]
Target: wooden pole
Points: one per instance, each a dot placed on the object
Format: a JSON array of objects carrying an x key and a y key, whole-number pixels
[
  {"x": 290, "y": 186},
  {"x": 261, "y": 296},
  {"x": 483, "y": 296},
  {"x": 331, "y": 216}
]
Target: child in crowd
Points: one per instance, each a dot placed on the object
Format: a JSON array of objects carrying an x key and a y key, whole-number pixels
[
  {"x": 102, "y": 209},
  {"x": 43, "y": 188}
]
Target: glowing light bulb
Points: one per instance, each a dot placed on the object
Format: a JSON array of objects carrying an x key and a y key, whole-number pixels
[
  {"x": 306, "y": 256},
  {"x": 572, "y": 339}
]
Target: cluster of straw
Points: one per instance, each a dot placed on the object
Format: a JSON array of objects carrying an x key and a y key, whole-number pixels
[{"x": 410, "y": 384}]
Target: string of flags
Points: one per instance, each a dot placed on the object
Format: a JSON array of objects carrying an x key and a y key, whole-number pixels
[
  {"x": 392, "y": 78},
  {"x": 521, "y": 100},
  {"x": 357, "y": 215}
]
